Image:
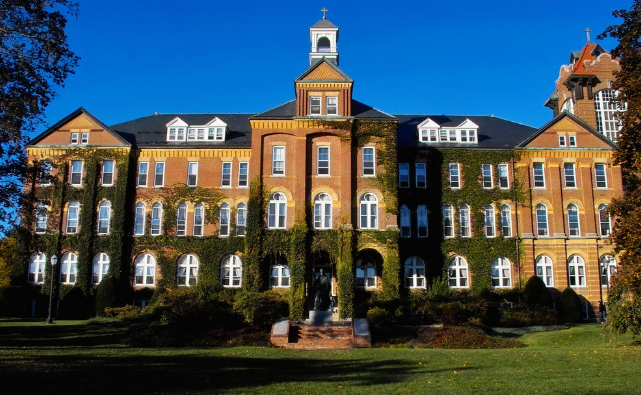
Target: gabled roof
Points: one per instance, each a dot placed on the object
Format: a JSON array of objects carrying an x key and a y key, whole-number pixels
[
  {"x": 342, "y": 77},
  {"x": 359, "y": 111},
  {"x": 68, "y": 119},
  {"x": 324, "y": 24}
]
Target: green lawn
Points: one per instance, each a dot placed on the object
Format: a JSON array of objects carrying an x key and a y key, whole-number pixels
[{"x": 79, "y": 358}]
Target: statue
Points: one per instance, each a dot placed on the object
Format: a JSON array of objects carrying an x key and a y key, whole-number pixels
[{"x": 321, "y": 284}]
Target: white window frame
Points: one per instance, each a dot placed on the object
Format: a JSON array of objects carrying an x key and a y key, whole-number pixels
[
  {"x": 107, "y": 175},
  {"x": 403, "y": 175},
  {"x": 562, "y": 141},
  {"x": 100, "y": 267},
  {"x": 199, "y": 219},
  {"x": 405, "y": 221},
  {"x": 69, "y": 268},
  {"x": 226, "y": 175},
  {"x": 538, "y": 175},
  {"x": 187, "y": 271},
  {"x": 279, "y": 276},
  {"x": 323, "y": 165},
  {"x": 277, "y": 211},
  {"x": 37, "y": 264},
  {"x": 572, "y": 140},
  {"x": 542, "y": 220},
  {"x": 574, "y": 225},
  {"x": 489, "y": 214},
  {"x": 331, "y": 105},
  {"x": 506, "y": 220},
  {"x": 576, "y": 272},
  {"x": 104, "y": 217},
  {"x": 448, "y": 221},
  {"x": 605, "y": 221},
  {"x": 501, "y": 273},
  {"x": 140, "y": 216},
  {"x": 606, "y": 113},
  {"x": 42, "y": 217},
  {"x": 73, "y": 218},
  {"x": 243, "y": 174},
  {"x": 315, "y": 105},
  {"x": 454, "y": 175},
  {"x": 231, "y": 272},
  {"x": 181, "y": 220},
  {"x": 365, "y": 275},
  {"x": 278, "y": 161},
  {"x": 241, "y": 219},
  {"x": 75, "y": 175},
  {"x": 156, "y": 219},
  {"x": 368, "y": 161},
  {"x": 600, "y": 176},
  {"x": 143, "y": 174},
  {"x": 224, "y": 220},
  {"x": 191, "y": 134},
  {"x": 569, "y": 175},
  {"x": 414, "y": 273},
  {"x": 458, "y": 273},
  {"x": 422, "y": 221},
  {"x": 465, "y": 225},
  {"x": 504, "y": 176},
  {"x": 368, "y": 211},
  {"x": 159, "y": 174},
  {"x": 192, "y": 174},
  {"x": 420, "y": 170},
  {"x": 323, "y": 211},
  {"x": 607, "y": 269},
  {"x": 84, "y": 138},
  {"x": 544, "y": 269},
  {"x": 145, "y": 270},
  {"x": 487, "y": 176},
  {"x": 74, "y": 138}
]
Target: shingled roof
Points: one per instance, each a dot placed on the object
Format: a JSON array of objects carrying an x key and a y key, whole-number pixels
[
  {"x": 359, "y": 111},
  {"x": 324, "y": 24}
]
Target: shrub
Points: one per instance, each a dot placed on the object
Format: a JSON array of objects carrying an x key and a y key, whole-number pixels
[
  {"x": 125, "y": 313},
  {"x": 524, "y": 315},
  {"x": 439, "y": 289},
  {"x": 186, "y": 306},
  {"x": 75, "y": 305},
  {"x": 380, "y": 319},
  {"x": 454, "y": 313},
  {"x": 261, "y": 308},
  {"x": 106, "y": 295},
  {"x": 571, "y": 306},
  {"x": 536, "y": 293},
  {"x": 460, "y": 337}
]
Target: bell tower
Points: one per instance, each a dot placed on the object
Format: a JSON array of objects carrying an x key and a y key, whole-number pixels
[{"x": 324, "y": 36}]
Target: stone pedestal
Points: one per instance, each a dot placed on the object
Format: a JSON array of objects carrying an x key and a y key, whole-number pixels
[{"x": 320, "y": 318}]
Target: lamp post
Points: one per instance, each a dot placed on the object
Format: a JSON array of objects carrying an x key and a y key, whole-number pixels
[{"x": 54, "y": 261}]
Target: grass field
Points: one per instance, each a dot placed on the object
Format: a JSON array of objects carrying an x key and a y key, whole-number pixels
[{"x": 76, "y": 357}]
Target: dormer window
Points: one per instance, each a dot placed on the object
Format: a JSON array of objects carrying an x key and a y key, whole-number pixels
[
  {"x": 178, "y": 130},
  {"x": 315, "y": 105},
  {"x": 431, "y": 132},
  {"x": 216, "y": 134}
]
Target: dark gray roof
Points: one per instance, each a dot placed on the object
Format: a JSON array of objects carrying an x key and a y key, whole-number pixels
[
  {"x": 493, "y": 132},
  {"x": 359, "y": 111},
  {"x": 151, "y": 131},
  {"x": 324, "y": 23}
]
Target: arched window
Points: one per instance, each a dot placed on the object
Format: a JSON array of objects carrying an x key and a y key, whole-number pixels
[
  {"x": 369, "y": 211},
  {"x": 37, "y": 264},
  {"x": 231, "y": 271},
  {"x": 607, "y": 268},
  {"x": 277, "y": 212},
  {"x": 506, "y": 220},
  {"x": 544, "y": 270},
  {"x": 541, "y": 220},
  {"x": 145, "y": 267},
  {"x": 241, "y": 219},
  {"x": 223, "y": 229},
  {"x": 68, "y": 268},
  {"x": 568, "y": 106},
  {"x": 181, "y": 220},
  {"x": 605, "y": 224},
  {"x": 187, "y": 270},
  {"x": 323, "y": 44},
  {"x": 448, "y": 221},
  {"x": 406, "y": 223},
  {"x": 573, "y": 220},
  {"x": 366, "y": 273},
  {"x": 139, "y": 219},
  {"x": 104, "y": 217},
  {"x": 606, "y": 108},
  {"x": 501, "y": 273},
  {"x": 279, "y": 277},
  {"x": 464, "y": 221},
  {"x": 73, "y": 214},
  {"x": 457, "y": 275},
  {"x": 414, "y": 272},
  {"x": 576, "y": 271},
  {"x": 156, "y": 219},
  {"x": 100, "y": 267},
  {"x": 323, "y": 211},
  {"x": 199, "y": 219},
  {"x": 42, "y": 216},
  {"x": 490, "y": 229},
  {"x": 422, "y": 221}
]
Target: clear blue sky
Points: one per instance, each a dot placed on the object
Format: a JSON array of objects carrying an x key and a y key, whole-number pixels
[{"x": 406, "y": 57}]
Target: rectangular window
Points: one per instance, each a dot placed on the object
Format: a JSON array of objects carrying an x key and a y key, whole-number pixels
[
  {"x": 454, "y": 176},
  {"x": 600, "y": 177},
  {"x": 75, "y": 178},
  {"x": 422, "y": 135},
  {"x": 572, "y": 141},
  {"x": 433, "y": 135},
  {"x": 315, "y": 105},
  {"x": 225, "y": 180},
  {"x": 192, "y": 174},
  {"x": 569, "y": 176},
  {"x": 211, "y": 134},
  {"x": 453, "y": 135},
  {"x": 463, "y": 136},
  {"x": 107, "y": 173},
  {"x": 278, "y": 161},
  {"x": 180, "y": 134},
  {"x": 421, "y": 221},
  {"x": 486, "y": 171},
  {"x": 201, "y": 134},
  {"x": 143, "y": 172},
  {"x": 472, "y": 135},
  {"x": 504, "y": 178},
  {"x": 191, "y": 134},
  {"x": 84, "y": 138},
  {"x": 406, "y": 223},
  {"x": 44, "y": 174},
  {"x": 322, "y": 162},
  {"x": 538, "y": 175},
  {"x": 562, "y": 140},
  {"x": 172, "y": 134},
  {"x": 241, "y": 219},
  {"x": 443, "y": 135},
  {"x": 369, "y": 165},
  {"x": 448, "y": 221},
  {"x": 404, "y": 175},
  {"x": 332, "y": 105},
  {"x": 220, "y": 134},
  {"x": 243, "y": 174},
  {"x": 421, "y": 175},
  {"x": 74, "y": 138},
  {"x": 159, "y": 177},
  {"x": 181, "y": 220}
]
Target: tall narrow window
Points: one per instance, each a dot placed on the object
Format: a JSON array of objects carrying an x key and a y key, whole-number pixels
[
  {"x": 365, "y": 273},
  {"x": 69, "y": 268},
  {"x": 600, "y": 178},
  {"x": 143, "y": 172},
  {"x": 322, "y": 162},
  {"x": 241, "y": 219},
  {"x": 243, "y": 174},
  {"x": 315, "y": 105},
  {"x": 332, "y": 105},
  {"x": 42, "y": 217},
  {"x": 84, "y": 138},
  {"x": 181, "y": 220},
  {"x": 192, "y": 174},
  {"x": 187, "y": 271},
  {"x": 541, "y": 220},
  {"x": 448, "y": 221},
  {"x": 406, "y": 223},
  {"x": 100, "y": 267},
  {"x": 74, "y": 138},
  {"x": 455, "y": 181},
  {"x": 159, "y": 177},
  {"x": 486, "y": 174},
  {"x": 73, "y": 213},
  {"x": 404, "y": 175},
  {"x": 506, "y": 221},
  {"x": 562, "y": 141},
  {"x": 323, "y": 211},
  {"x": 277, "y": 211},
  {"x": 606, "y": 109},
  {"x": 223, "y": 228},
  {"x": 605, "y": 224},
  {"x": 501, "y": 273},
  {"x": 139, "y": 219},
  {"x": 414, "y": 272},
  {"x": 278, "y": 161},
  {"x": 544, "y": 270},
  {"x": 457, "y": 275},
  {"x": 569, "y": 176},
  {"x": 573, "y": 220},
  {"x": 572, "y": 141},
  {"x": 279, "y": 277},
  {"x": 421, "y": 221},
  {"x": 369, "y": 163},
  {"x": 225, "y": 180},
  {"x": 464, "y": 220},
  {"x": 75, "y": 178},
  {"x": 37, "y": 264},
  {"x": 180, "y": 134},
  {"x": 421, "y": 175},
  {"x": 490, "y": 230},
  {"x": 199, "y": 219},
  {"x": 369, "y": 211},
  {"x": 576, "y": 271},
  {"x": 607, "y": 268},
  {"x": 191, "y": 134},
  {"x": 44, "y": 174},
  {"x": 145, "y": 270},
  {"x": 107, "y": 178},
  {"x": 504, "y": 177},
  {"x": 156, "y": 219},
  {"x": 231, "y": 272},
  {"x": 538, "y": 175},
  {"x": 104, "y": 217}
]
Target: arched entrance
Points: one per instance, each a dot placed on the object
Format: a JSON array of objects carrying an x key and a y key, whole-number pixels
[{"x": 323, "y": 288}]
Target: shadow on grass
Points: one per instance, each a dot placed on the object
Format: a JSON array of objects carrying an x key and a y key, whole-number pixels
[{"x": 83, "y": 335}]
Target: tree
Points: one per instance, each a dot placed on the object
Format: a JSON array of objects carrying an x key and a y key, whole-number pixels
[
  {"x": 7, "y": 250},
  {"x": 34, "y": 59},
  {"x": 625, "y": 293}
]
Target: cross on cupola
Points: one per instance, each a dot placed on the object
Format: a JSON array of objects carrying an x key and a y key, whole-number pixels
[
  {"x": 587, "y": 31},
  {"x": 324, "y": 36},
  {"x": 324, "y": 10}
]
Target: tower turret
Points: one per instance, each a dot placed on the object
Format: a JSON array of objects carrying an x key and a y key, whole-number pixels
[{"x": 324, "y": 37}]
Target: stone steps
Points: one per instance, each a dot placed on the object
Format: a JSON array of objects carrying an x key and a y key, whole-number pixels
[{"x": 337, "y": 335}]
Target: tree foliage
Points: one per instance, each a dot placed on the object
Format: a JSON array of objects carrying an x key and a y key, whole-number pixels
[
  {"x": 627, "y": 229},
  {"x": 34, "y": 59}
]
